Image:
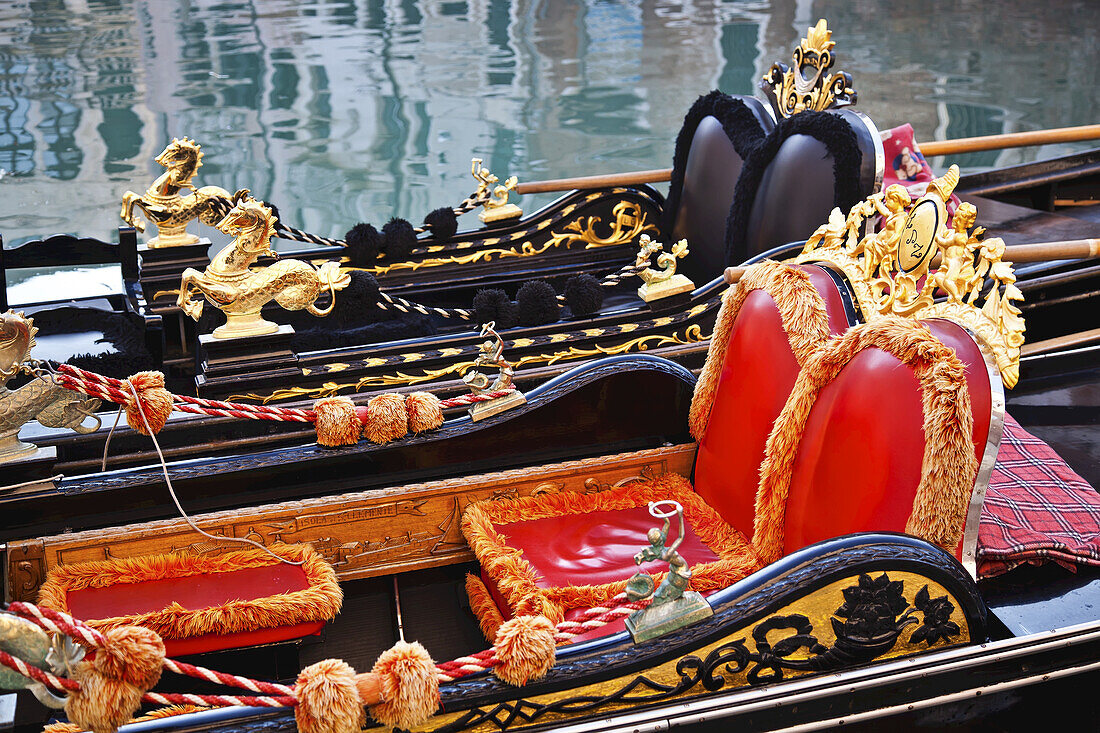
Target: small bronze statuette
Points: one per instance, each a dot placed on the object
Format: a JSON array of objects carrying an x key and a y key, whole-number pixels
[
  {"x": 492, "y": 355},
  {"x": 239, "y": 292},
  {"x": 167, "y": 209},
  {"x": 662, "y": 282},
  {"x": 496, "y": 206},
  {"x": 807, "y": 85},
  {"x": 41, "y": 399},
  {"x": 673, "y": 606}
]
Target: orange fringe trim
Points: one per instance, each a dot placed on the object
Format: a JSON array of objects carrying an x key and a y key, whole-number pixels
[
  {"x": 156, "y": 714},
  {"x": 484, "y": 607},
  {"x": 517, "y": 579},
  {"x": 949, "y": 466},
  {"x": 801, "y": 308},
  {"x": 319, "y": 602}
]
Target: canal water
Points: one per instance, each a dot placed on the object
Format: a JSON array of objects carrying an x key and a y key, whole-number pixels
[{"x": 347, "y": 110}]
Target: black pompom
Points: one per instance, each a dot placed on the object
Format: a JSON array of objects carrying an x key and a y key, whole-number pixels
[
  {"x": 442, "y": 222},
  {"x": 537, "y": 302},
  {"x": 363, "y": 244},
  {"x": 583, "y": 294},
  {"x": 398, "y": 239},
  {"x": 494, "y": 305},
  {"x": 362, "y": 290}
]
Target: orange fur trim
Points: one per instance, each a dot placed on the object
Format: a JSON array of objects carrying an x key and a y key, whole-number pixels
[
  {"x": 525, "y": 647},
  {"x": 386, "y": 418},
  {"x": 517, "y": 579},
  {"x": 156, "y": 402},
  {"x": 483, "y": 606},
  {"x": 113, "y": 680},
  {"x": 319, "y": 602},
  {"x": 801, "y": 308},
  {"x": 328, "y": 699},
  {"x": 156, "y": 714},
  {"x": 336, "y": 424},
  {"x": 410, "y": 686},
  {"x": 424, "y": 411},
  {"x": 949, "y": 466}
]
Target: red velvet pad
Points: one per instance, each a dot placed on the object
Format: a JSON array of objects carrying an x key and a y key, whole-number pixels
[
  {"x": 198, "y": 592},
  {"x": 757, "y": 375},
  {"x": 860, "y": 456}
]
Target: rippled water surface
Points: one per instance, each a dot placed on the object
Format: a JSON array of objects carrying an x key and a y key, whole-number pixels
[{"x": 348, "y": 110}]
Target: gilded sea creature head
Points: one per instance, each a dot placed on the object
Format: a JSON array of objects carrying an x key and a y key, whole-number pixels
[
  {"x": 182, "y": 153},
  {"x": 248, "y": 215},
  {"x": 16, "y": 341}
]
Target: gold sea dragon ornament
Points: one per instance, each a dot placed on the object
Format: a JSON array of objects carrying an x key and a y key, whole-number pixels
[
  {"x": 167, "y": 208},
  {"x": 893, "y": 269},
  {"x": 230, "y": 285},
  {"x": 42, "y": 398},
  {"x": 663, "y": 281}
]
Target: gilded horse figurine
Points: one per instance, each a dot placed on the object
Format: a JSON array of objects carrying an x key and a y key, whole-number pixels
[
  {"x": 41, "y": 399},
  {"x": 163, "y": 205},
  {"x": 239, "y": 292}
]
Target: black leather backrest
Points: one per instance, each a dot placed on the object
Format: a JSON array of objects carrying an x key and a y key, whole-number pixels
[
  {"x": 723, "y": 130},
  {"x": 810, "y": 163}
]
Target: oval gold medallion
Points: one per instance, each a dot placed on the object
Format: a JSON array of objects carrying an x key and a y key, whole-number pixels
[{"x": 918, "y": 237}]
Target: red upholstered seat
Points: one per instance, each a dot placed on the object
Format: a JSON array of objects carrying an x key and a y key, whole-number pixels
[
  {"x": 768, "y": 324},
  {"x": 200, "y": 603}
]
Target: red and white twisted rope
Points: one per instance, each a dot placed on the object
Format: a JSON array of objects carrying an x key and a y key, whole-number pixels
[{"x": 118, "y": 392}]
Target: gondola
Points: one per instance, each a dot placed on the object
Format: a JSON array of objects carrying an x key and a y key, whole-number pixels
[{"x": 857, "y": 548}]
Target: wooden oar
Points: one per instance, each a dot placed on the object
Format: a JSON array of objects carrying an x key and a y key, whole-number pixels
[
  {"x": 1068, "y": 249},
  {"x": 929, "y": 149}
]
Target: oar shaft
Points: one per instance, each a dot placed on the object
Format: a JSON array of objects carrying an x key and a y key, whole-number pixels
[
  {"x": 942, "y": 147},
  {"x": 1010, "y": 140}
]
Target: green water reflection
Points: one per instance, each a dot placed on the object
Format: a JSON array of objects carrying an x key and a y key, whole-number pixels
[{"x": 345, "y": 110}]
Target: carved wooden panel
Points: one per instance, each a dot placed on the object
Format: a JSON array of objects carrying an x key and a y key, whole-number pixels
[{"x": 361, "y": 534}]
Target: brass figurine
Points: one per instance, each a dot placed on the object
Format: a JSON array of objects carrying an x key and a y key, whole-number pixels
[
  {"x": 491, "y": 354},
  {"x": 892, "y": 270},
  {"x": 56, "y": 653},
  {"x": 163, "y": 205},
  {"x": 662, "y": 282},
  {"x": 41, "y": 399},
  {"x": 791, "y": 91},
  {"x": 496, "y": 206},
  {"x": 673, "y": 605},
  {"x": 240, "y": 292}
]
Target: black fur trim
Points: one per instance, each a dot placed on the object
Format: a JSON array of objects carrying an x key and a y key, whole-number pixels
[
  {"x": 583, "y": 294},
  {"x": 404, "y": 326},
  {"x": 363, "y": 244},
  {"x": 493, "y": 304},
  {"x": 537, "y": 302},
  {"x": 838, "y": 137},
  {"x": 398, "y": 239},
  {"x": 442, "y": 222},
  {"x": 129, "y": 354},
  {"x": 738, "y": 122}
]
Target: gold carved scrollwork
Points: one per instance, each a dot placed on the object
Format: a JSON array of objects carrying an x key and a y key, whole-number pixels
[
  {"x": 808, "y": 85},
  {"x": 894, "y": 270}
]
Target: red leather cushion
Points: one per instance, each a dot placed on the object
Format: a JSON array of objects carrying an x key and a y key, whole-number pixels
[
  {"x": 197, "y": 592},
  {"x": 860, "y": 458},
  {"x": 590, "y": 549},
  {"x": 757, "y": 376}
]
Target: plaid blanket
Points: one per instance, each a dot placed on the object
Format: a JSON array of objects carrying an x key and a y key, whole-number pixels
[{"x": 1036, "y": 509}]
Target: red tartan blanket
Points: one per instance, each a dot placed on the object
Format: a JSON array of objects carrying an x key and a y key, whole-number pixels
[{"x": 1036, "y": 509}]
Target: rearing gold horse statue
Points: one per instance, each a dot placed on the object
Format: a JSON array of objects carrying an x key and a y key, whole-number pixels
[
  {"x": 239, "y": 292},
  {"x": 163, "y": 205}
]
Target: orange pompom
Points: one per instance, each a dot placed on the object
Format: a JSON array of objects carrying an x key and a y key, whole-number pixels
[
  {"x": 336, "y": 424},
  {"x": 328, "y": 700},
  {"x": 155, "y": 401},
  {"x": 386, "y": 418},
  {"x": 114, "y": 679},
  {"x": 424, "y": 412},
  {"x": 409, "y": 686},
  {"x": 525, "y": 647}
]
